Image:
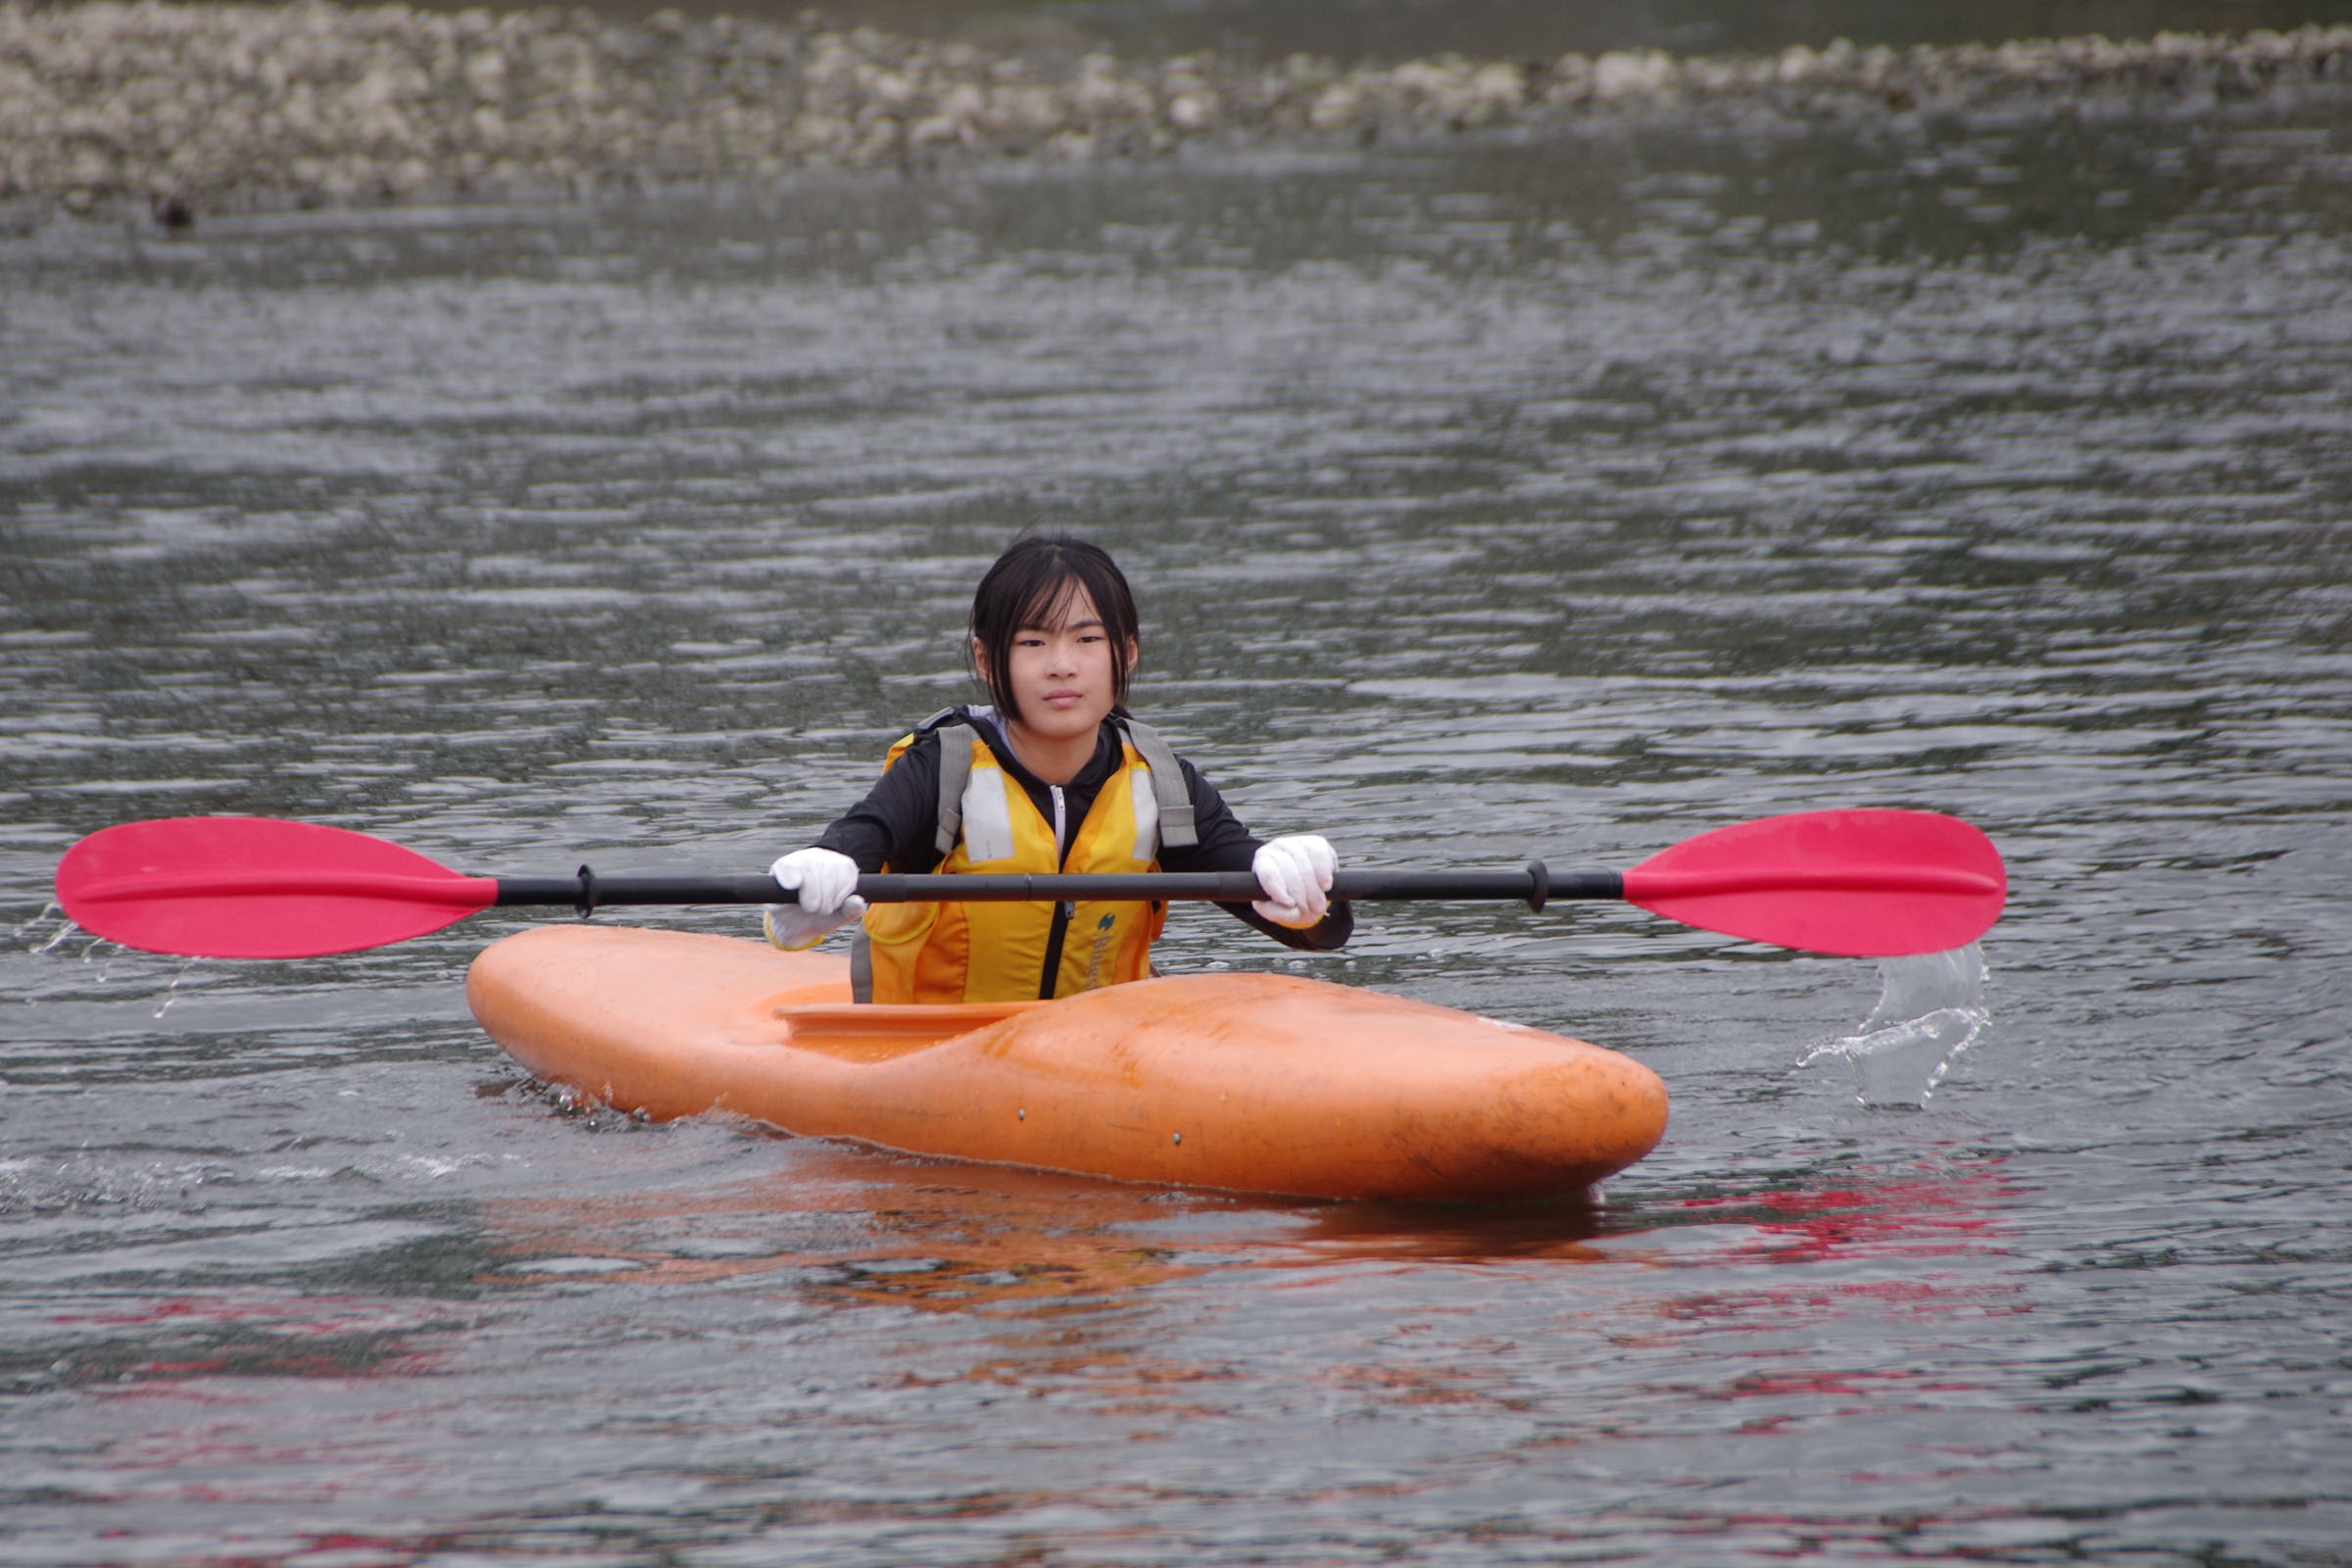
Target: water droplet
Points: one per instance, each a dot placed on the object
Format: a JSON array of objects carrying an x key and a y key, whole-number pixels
[{"x": 172, "y": 991}]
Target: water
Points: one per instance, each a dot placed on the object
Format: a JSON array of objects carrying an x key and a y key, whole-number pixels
[{"x": 1561, "y": 498}]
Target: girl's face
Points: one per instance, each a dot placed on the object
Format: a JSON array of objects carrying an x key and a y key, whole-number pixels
[{"x": 1063, "y": 686}]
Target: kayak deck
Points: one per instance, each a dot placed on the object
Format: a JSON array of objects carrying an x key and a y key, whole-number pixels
[{"x": 1249, "y": 1082}]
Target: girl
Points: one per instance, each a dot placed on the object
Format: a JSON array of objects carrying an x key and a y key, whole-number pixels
[{"x": 1054, "y": 776}]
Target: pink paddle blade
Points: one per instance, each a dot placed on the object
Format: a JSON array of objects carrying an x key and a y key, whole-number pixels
[
  {"x": 254, "y": 887},
  {"x": 1860, "y": 883}
]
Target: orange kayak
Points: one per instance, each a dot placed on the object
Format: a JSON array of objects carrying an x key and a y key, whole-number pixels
[{"x": 1249, "y": 1082}]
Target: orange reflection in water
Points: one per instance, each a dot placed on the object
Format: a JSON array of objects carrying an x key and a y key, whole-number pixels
[
  {"x": 938, "y": 1236},
  {"x": 1054, "y": 1258}
]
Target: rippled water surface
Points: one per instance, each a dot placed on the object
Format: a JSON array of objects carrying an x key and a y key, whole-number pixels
[{"x": 1565, "y": 498}]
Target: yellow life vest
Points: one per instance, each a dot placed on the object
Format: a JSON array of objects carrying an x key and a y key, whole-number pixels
[{"x": 943, "y": 953}]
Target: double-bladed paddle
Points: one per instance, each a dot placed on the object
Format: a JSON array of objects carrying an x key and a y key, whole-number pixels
[{"x": 1863, "y": 883}]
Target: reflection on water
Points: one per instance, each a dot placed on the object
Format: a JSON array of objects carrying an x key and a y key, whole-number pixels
[
  {"x": 883, "y": 1230},
  {"x": 1930, "y": 1207},
  {"x": 1563, "y": 499}
]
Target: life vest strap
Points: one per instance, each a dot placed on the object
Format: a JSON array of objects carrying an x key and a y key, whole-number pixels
[
  {"x": 1177, "y": 828},
  {"x": 955, "y": 772}
]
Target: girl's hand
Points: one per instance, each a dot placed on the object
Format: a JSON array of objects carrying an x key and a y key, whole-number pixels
[
  {"x": 1295, "y": 874},
  {"x": 827, "y": 883}
]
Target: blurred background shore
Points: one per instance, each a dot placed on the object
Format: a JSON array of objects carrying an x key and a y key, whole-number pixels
[{"x": 168, "y": 111}]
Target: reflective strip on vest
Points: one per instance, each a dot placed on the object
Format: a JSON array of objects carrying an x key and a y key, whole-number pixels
[
  {"x": 987, "y": 815},
  {"x": 1146, "y": 813}
]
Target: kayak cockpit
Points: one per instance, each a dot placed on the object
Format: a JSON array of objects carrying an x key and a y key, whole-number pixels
[{"x": 854, "y": 1031}]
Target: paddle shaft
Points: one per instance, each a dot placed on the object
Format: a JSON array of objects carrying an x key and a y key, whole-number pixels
[{"x": 1533, "y": 886}]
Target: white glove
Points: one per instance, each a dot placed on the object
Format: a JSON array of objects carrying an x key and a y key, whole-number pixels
[
  {"x": 1295, "y": 874},
  {"x": 827, "y": 883}
]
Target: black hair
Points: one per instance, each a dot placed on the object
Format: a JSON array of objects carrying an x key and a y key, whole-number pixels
[{"x": 1032, "y": 585}]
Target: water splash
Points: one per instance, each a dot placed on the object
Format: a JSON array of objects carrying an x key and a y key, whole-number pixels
[
  {"x": 171, "y": 992},
  {"x": 57, "y": 941},
  {"x": 1931, "y": 1008}
]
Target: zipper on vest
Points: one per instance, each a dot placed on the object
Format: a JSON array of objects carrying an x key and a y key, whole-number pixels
[{"x": 1063, "y": 913}]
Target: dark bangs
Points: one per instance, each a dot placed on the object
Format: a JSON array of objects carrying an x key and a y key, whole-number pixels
[{"x": 1033, "y": 584}]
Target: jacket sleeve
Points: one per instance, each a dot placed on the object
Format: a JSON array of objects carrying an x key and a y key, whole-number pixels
[
  {"x": 897, "y": 825},
  {"x": 1226, "y": 844}
]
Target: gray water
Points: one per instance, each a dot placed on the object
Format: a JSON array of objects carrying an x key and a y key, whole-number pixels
[{"x": 1565, "y": 498}]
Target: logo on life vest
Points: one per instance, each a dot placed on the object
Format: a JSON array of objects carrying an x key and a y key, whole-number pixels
[{"x": 1094, "y": 956}]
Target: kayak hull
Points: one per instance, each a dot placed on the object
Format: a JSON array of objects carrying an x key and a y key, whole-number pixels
[{"x": 1248, "y": 1082}]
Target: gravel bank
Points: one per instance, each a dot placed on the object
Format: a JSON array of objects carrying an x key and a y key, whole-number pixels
[{"x": 185, "y": 108}]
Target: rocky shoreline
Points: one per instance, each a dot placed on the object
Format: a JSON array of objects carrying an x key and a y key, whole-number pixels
[{"x": 178, "y": 109}]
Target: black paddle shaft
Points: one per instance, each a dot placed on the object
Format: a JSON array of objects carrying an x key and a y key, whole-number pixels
[{"x": 1534, "y": 885}]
